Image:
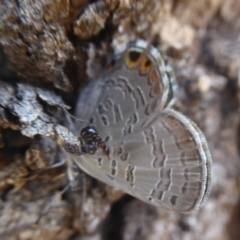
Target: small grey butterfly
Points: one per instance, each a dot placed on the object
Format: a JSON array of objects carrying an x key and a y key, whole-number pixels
[{"x": 154, "y": 153}]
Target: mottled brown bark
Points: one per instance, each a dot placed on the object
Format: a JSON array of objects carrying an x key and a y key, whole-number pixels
[{"x": 49, "y": 50}]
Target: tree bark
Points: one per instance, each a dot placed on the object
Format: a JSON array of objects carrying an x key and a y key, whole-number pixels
[{"x": 49, "y": 50}]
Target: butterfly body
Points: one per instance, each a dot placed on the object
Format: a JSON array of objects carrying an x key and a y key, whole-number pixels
[{"x": 155, "y": 153}]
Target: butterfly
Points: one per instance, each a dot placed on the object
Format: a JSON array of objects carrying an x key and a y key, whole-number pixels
[{"x": 154, "y": 152}]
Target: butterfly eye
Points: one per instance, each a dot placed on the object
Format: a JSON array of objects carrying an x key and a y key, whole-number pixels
[
  {"x": 89, "y": 132},
  {"x": 132, "y": 58}
]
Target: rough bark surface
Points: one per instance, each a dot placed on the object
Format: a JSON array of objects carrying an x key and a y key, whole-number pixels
[{"x": 48, "y": 51}]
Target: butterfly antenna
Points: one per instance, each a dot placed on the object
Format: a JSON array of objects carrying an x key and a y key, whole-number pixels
[{"x": 76, "y": 119}]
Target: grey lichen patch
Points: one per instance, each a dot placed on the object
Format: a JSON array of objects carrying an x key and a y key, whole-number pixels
[
  {"x": 51, "y": 98},
  {"x": 23, "y": 107}
]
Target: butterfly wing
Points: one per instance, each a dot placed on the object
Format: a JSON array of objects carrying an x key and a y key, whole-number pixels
[
  {"x": 156, "y": 154},
  {"x": 137, "y": 80},
  {"x": 168, "y": 166},
  {"x": 135, "y": 86}
]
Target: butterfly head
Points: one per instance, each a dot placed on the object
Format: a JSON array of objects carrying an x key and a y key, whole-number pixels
[{"x": 89, "y": 132}]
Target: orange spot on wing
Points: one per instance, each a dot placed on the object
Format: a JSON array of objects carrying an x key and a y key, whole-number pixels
[
  {"x": 153, "y": 77},
  {"x": 146, "y": 65},
  {"x": 132, "y": 58}
]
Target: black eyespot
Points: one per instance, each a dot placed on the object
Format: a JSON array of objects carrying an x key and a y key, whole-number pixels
[
  {"x": 147, "y": 63},
  {"x": 134, "y": 55}
]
